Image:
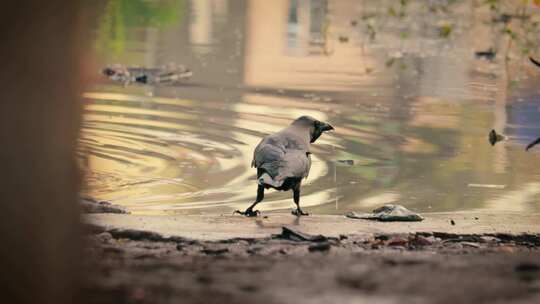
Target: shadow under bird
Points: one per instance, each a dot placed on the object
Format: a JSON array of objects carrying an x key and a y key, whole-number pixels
[{"x": 283, "y": 159}]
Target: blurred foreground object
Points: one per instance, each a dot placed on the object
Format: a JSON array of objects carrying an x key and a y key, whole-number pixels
[{"x": 40, "y": 114}]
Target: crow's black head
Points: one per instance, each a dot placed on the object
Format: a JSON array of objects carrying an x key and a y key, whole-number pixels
[{"x": 316, "y": 128}]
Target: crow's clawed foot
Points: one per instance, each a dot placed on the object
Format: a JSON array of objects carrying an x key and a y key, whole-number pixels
[
  {"x": 248, "y": 212},
  {"x": 299, "y": 212}
]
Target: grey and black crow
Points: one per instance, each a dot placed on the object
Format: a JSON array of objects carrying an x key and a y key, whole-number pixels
[{"x": 283, "y": 160}]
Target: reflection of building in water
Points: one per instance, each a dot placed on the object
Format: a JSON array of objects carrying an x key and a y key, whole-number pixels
[
  {"x": 287, "y": 45},
  {"x": 209, "y": 41},
  {"x": 524, "y": 120},
  {"x": 206, "y": 16},
  {"x": 305, "y": 27}
]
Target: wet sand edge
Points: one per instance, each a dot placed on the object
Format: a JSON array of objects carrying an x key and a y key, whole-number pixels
[{"x": 223, "y": 227}]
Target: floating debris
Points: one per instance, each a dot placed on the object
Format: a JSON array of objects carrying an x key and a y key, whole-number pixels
[
  {"x": 388, "y": 213},
  {"x": 445, "y": 30},
  {"x": 167, "y": 74},
  {"x": 537, "y": 63},
  {"x": 89, "y": 205},
  {"x": 532, "y": 144},
  {"x": 494, "y": 138},
  {"x": 343, "y": 39},
  {"x": 505, "y": 18},
  {"x": 452, "y": 222},
  {"x": 347, "y": 162},
  {"x": 486, "y": 186},
  {"x": 489, "y": 54}
]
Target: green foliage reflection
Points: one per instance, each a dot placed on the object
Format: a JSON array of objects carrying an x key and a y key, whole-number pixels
[{"x": 120, "y": 15}]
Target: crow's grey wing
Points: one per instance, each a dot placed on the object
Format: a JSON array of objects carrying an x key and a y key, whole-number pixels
[
  {"x": 295, "y": 163},
  {"x": 268, "y": 155},
  {"x": 283, "y": 154}
]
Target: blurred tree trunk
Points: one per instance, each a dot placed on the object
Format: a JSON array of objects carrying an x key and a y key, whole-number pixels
[{"x": 40, "y": 112}]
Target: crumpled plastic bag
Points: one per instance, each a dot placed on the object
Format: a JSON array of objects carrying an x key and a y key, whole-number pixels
[{"x": 388, "y": 213}]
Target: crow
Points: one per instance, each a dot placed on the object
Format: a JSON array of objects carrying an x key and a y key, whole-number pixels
[{"x": 283, "y": 160}]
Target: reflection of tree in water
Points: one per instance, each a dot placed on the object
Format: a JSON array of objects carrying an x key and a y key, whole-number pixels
[
  {"x": 406, "y": 29},
  {"x": 198, "y": 135},
  {"x": 430, "y": 155},
  {"x": 119, "y": 15}
]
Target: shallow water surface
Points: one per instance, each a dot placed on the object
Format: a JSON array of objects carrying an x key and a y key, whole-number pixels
[{"x": 411, "y": 107}]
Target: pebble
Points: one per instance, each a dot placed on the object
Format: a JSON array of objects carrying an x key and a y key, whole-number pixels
[
  {"x": 506, "y": 249},
  {"x": 527, "y": 267},
  {"x": 214, "y": 251},
  {"x": 422, "y": 241},
  {"x": 323, "y": 246},
  {"x": 470, "y": 244},
  {"x": 398, "y": 241}
]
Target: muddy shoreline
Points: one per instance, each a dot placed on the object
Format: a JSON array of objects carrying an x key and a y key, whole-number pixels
[{"x": 295, "y": 264}]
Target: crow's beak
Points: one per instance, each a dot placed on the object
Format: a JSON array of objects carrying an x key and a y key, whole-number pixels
[{"x": 326, "y": 127}]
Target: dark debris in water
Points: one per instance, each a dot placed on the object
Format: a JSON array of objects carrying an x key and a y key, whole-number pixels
[
  {"x": 532, "y": 144},
  {"x": 347, "y": 162},
  {"x": 494, "y": 138},
  {"x": 343, "y": 39},
  {"x": 167, "y": 74},
  {"x": 506, "y": 18},
  {"x": 535, "y": 62},
  {"x": 487, "y": 54},
  {"x": 89, "y": 205}
]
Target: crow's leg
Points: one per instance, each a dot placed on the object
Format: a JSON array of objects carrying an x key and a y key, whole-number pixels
[
  {"x": 249, "y": 211},
  {"x": 296, "y": 197}
]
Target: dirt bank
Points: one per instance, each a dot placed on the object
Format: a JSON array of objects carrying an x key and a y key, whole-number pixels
[{"x": 137, "y": 266}]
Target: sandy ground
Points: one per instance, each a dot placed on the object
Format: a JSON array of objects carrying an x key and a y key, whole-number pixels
[{"x": 483, "y": 258}]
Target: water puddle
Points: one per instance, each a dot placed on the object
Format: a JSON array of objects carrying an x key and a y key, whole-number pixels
[{"x": 411, "y": 104}]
